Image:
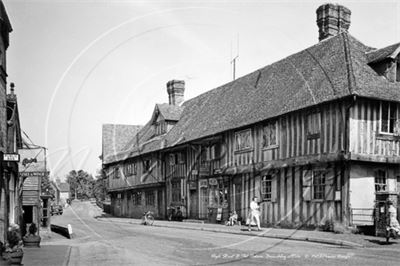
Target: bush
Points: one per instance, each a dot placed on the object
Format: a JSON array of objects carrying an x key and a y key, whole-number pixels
[{"x": 14, "y": 240}]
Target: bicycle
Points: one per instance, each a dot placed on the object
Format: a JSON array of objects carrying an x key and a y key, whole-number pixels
[{"x": 148, "y": 218}]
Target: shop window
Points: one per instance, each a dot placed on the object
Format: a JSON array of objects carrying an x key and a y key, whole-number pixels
[
  {"x": 388, "y": 118},
  {"x": 380, "y": 181},
  {"x": 217, "y": 193},
  {"x": 137, "y": 198},
  {"x": 318, "y": 185},
  {"x": 266, "y": 187},
  {"x": 149, "y": 198},
  {"x": 313, "y": 125},
  {"x": 243, "y": 140},
  {"x": 269, "y": 135},
  {"x": 176, "y": 191}
]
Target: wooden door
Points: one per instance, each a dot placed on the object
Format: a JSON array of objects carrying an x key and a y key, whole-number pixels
[
  {"x": 203, "y": 203},
  {"x": 193, "y": 204}
]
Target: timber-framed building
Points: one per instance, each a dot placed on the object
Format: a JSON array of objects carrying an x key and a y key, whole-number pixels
[{"x": 315, "y": 136}]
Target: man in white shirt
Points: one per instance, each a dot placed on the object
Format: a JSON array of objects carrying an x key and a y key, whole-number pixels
[{"x": 254, "y": 213}]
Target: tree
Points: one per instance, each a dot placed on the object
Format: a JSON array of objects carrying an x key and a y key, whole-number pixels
[
  {"x": 46, "y": 186},
  {"x": 81, "y": 184},
  {"x": 100, "y": 188}
]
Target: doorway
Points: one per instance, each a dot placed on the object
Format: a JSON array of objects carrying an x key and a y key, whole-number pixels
[
  {"x": 193, "y": 204},
  {"x": 237, "y": 196}
]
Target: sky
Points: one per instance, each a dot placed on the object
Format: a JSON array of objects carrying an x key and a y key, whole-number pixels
[{"x": 78, "y": 64}]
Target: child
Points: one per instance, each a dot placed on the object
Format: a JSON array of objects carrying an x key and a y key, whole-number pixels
[{"x": 232, "y": 218}]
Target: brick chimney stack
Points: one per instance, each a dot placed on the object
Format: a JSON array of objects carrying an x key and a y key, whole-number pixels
[
  {"x": 176, "y": 90},
  {"x": 332, "y": 19}
]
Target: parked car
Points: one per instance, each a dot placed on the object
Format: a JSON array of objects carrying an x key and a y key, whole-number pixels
[{"x": 56, "y": 209}]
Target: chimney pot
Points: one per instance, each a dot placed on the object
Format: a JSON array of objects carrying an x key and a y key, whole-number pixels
[
  {"x": 176, "y": 90},
  {"x": 332, "y": 19}
]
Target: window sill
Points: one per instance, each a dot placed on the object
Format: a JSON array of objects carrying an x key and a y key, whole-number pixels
[
  {"x": 387, "y": 136},
  {"x": 318, "y": 200},
  {"x": 271, "y": 147},
  {"x": 244, "y": 150}
]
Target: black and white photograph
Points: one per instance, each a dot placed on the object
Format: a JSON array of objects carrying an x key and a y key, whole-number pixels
[{"x": 199, "y": 132}]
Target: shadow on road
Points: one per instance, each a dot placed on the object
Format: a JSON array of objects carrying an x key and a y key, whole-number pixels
[
  {"x": 104, "y": 215},
  {"x": 381, "y": 242}
]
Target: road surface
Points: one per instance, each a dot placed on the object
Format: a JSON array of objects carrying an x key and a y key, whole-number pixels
[{"x": 112, "y": 243}]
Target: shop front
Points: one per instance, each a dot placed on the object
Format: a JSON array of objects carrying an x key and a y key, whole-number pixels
[{"x": 214, "y": 199}]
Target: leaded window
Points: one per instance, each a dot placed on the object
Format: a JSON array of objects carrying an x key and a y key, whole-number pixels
[
  {"x": 266, "y": 187},
  {"x": 319, "y": 185}
]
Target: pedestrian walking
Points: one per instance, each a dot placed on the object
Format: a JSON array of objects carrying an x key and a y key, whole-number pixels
[{"x": 254, "y": 213}]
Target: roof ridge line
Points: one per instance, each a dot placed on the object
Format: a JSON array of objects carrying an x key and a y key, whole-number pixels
[{"x": 347, "y": 55}]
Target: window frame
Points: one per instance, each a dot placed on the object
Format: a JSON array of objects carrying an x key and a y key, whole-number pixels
[
  {"x": 116, "y": 173},
  {"x": 137, "y": 198},
  {"x": 318, "y": 185},
  {"x": 384, "y": 184},
  {"x": 391, "y": 122},
  {"x": 149, "y": 197},
  {"x": 146, "y": 166},
  {"x": 313, "y": 120},
  {"x": 238, "y": 134},
  {"x": 266, "y": 187},
  {"x": 264, "y": 140}
]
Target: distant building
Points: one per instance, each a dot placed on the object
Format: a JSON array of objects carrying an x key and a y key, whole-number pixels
[
  {"x": 56, "y": 190},
  {"x": 64, "y": 192}
]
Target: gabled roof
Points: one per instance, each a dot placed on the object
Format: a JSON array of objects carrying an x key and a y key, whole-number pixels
[
  {"x": 115, "y": 138},
  {"x": 169, "y": 111},
  {"x": 377, "y": 55},
  {"x": 332, "y": 69}
]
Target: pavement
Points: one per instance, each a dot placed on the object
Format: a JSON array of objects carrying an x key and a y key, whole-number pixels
[
  {"x": 59, "y": 254},
  {"x": 344, "y": 239},
  {"x": 48, "y": 254}
]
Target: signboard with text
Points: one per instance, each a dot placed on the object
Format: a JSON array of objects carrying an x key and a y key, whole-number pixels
[{"x": 32, "y": 162}]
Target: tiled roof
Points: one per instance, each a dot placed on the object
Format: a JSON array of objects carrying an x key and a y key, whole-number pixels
[
  {"x": 315, "y": 75},
  {"x": 380, "y": 54},
  {"x": 115, "y": 139},
  {"x": 169, "y": 111},
  {"x": 334, "y": 68}
]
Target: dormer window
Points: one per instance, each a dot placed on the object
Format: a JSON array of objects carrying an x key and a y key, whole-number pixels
[{"x": 160, "y": 128}]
